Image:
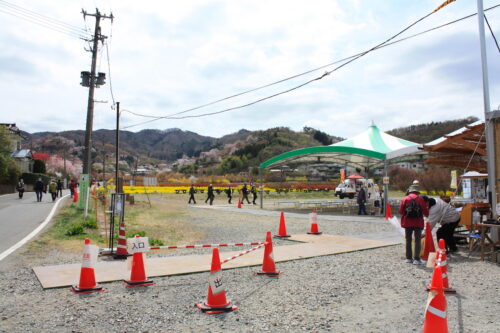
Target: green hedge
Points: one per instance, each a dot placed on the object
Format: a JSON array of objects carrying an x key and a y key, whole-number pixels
[{"x": 31, "y": 178}]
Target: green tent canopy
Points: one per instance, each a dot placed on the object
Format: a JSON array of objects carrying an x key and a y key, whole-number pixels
[{"x": 367, "y": 150}]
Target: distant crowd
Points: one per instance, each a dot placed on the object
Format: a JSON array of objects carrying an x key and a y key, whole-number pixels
[{"x": 245, "y": 191}]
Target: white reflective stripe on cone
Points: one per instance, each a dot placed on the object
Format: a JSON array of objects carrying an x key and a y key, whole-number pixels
[{"x": 437, "y": 312}]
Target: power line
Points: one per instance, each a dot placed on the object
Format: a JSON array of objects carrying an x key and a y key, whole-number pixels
[
  {"x": 44, "y": 23},
  {"x": 41, "y": 16},
  {"x": 109, "y": 74},
  {"x": 492, "y": 34},
  {"x": 347, "y": 60}
]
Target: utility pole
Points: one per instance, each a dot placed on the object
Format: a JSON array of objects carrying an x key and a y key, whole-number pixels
[
  {"x": 490, "y": 117},
  {"x": 117, "y": 147},
  {"x": 92, "y": 81}
]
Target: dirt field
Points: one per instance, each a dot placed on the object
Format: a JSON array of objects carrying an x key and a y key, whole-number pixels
[{"x": 366, "y": 291}]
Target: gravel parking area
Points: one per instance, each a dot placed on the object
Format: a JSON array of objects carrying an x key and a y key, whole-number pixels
[{"x": 365, "y": 291}]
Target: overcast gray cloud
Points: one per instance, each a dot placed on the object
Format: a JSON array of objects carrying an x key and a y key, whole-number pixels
[{"x": 167, "y": 57}]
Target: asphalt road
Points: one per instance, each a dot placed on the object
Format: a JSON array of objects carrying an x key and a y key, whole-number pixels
[{"x": 19, "y": 217}]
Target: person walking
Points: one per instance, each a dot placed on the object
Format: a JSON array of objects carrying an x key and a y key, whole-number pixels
[
  {"x": 192, "y": 191},
  {"x": 59, "y": 188},
  {"x": 448, "y": 218},
  {"x": 229, "y": 193},
  {"x": 244, "y": 193},
  {"x": 362, "y": 202},
  {"x": 39, "y": 186},
  {"x": 53, "y": 190},
  {"x": 412, "y": 210},
  {"x": 72, "y": 187},
  {"x": 253, "y": 190},
  {"x": 210, "y": 194},
  {"x": 20, "y": 188}
]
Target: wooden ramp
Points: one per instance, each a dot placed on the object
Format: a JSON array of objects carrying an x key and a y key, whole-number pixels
[{"x": 307, "y": 246}]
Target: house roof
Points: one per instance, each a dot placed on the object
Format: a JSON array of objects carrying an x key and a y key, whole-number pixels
[{"x": 22, "y": 153}]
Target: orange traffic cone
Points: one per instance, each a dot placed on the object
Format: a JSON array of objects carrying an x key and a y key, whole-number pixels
[
  {"x": 435, "y": 313},
  {"x": 87, "y": 282},
  {"x": 268, "y": 266},
  {"x": 282, "y": 230},
  {"x": 388, "y": 213},
  {"x": 121, "y": 248},
  {"x": 314, "y": 224},
  {"x": 442, "y": 262},
  {"x": 239, "y": 203},
  {"x": 138, "y": 273},
  {"x": 75, "y": 196},
  {"x": 429, "y": 242},
  {"x": 216, "y": 299}
]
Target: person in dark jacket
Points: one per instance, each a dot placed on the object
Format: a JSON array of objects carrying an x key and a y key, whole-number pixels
[
  {"x": 413, "y": 225},
  {"x": 20, "y": 188},
  {"x": 253, "y": 190},
  {"x": 244, "y": 193},
  {"x": 39, "y": 186},
  {"x": 229, "y": 192},
  {"x": 192, "y": 191},
  {"x": 210, "y": 194},
  {"x": 59, "y": 188},
  {"x": 362, "y": 202}
]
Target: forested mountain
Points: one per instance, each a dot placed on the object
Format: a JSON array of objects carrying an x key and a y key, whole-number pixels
[
  {"x": 230, "y": 153},
  {"x": 424, "y": 133}
]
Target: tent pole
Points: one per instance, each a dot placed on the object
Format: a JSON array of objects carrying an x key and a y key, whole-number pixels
[
  {"x": 261, "y": 189},
  {"x": 386, "y": 188}
]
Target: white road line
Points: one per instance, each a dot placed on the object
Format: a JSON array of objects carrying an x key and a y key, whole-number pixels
[{"x": 26, "y": 239}]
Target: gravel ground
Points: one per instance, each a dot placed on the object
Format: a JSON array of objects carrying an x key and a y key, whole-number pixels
[{"x": 365, "y": 291}]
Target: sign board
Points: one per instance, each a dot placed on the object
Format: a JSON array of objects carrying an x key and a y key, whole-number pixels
[
  {"x": 118, "y": 205},
  {"x": 150, "y": 181},
  {"x": 83, "y": 189},
  {"x": 215, "y": 282},
  {"x": 138, "y": 244},
  {"x": 385, "y": 180},
  {"x": 90, "y": 253}
]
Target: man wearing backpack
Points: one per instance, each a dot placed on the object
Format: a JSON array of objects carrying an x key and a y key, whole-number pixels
[{"x": 412, "y": 210}]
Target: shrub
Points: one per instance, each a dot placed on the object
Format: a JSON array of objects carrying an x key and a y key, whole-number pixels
[
  {"x": 155, "y": 242},
  {"x": 31, "y": 178},
  {"x": 90, "y": 224},
  {"x": 141, "y": 233},
  {"x": 75, "y": 229}
]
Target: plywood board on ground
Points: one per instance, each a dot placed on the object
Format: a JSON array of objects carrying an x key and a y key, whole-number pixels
[{"x": 307, "y": 246}]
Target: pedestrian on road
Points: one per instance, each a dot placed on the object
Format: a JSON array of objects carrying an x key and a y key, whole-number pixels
[
  {"x": 192, "y": 191},
  {"x": 59, "y": 188},
  {"x": 229, "y": 192},
  {"x": 412, "y": 210},
  {"x": 447, "y": 216},
  {"x": 39, "y": 186},
  {"x": 210, "y": 194},
  {"x": 362, "y": 202},
  {"x": 253, "y": 190},
  {"x": 72, "y": 187},
  {"x": 20, "y": 188},
  {"x": 53, "y": 190},
  {"x": 244, "y": 193}
]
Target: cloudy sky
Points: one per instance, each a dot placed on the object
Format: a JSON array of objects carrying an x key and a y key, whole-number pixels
[{"x": 170, "y": 56}]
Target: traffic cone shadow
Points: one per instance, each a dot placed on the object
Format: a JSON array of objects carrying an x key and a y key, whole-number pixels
[
  {"x": 268, "y": 265},
  {"x": 282, "y": 228},
  {"x": 216, "y": 300},
  {"x": 87, "y": 283}
]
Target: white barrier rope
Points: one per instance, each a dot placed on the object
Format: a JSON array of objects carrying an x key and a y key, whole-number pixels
[{"x": 243, "y": 253}]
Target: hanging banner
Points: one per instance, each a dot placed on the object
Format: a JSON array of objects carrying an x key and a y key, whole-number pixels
[
  {"x": 454, "y": 183},
  {"x": 342, "y": 175}
]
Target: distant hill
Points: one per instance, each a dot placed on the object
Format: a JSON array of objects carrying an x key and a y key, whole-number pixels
[
  {"x": 424, "y": 133},
  {"x": 231, "y": 153}
]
